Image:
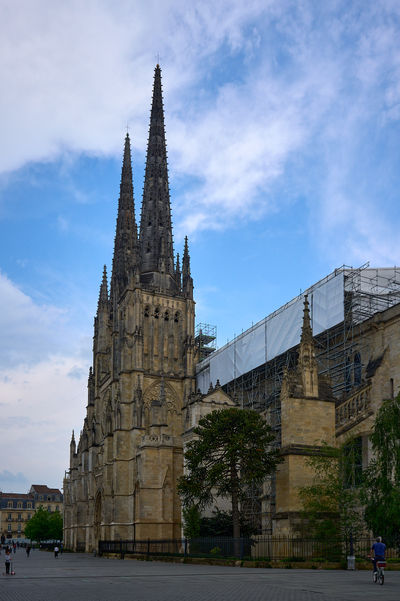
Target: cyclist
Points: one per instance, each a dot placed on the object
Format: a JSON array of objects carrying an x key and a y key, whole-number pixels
[{"x": 379, "y": 549}]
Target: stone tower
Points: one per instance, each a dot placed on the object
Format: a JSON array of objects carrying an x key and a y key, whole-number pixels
[
  {"x": 307, "y": 421},
  {"x": 122, "y": 478}
]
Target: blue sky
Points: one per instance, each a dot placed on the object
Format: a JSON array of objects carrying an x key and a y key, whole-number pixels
[{"x": 283, "y": 123}]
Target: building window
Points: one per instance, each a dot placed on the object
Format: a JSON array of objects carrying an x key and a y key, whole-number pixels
[
  {"x": 40, "y": 497},
  {"x": 19, "y": 505},
  {"x": 19, "y": 528},
  {"x": 29, "y": 505},
  {"x": 348, "y": 374},
  {"x": 9, "y": 504},
  {"x": 29, "y": 516},
  {"x": 57, "y": 508},
  {"x": 9, "y": 517},
  {"x": 48, "y": 508},
  {"x": 357, "y": 369},
  {"x": 19, "y": 517},
  {"x": 9, "y": 527}
]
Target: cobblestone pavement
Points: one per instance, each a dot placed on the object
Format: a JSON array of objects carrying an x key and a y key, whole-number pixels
[{"x": 80, "y": 577}]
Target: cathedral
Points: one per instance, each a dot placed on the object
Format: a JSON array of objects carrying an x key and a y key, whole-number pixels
[
  {"x": 317, "y": 369},
  {"x": 123, "y": 472}
]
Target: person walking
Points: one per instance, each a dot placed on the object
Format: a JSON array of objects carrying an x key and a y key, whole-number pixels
[
  {"x": 56, "y": 550},
  {"x": 8, "y": 562},
  {"x": 28, "y": 550}
]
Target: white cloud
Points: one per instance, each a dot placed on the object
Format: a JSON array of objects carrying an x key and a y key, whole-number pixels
[
  {"x": 29, "y": 331},
  {"x": 249, "y": 87},
  {"x": 81, "y": 71},
  {"x": 41, "y": 404},
  {"x": 10, "y": 482}
]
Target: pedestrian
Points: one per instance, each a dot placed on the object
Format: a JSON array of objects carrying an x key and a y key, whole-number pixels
[
  {"x": 28, "y": 550},
  {"x": 8, "y": 562},
  {"x": 56, "y": 550},
  {"x": 15, "y": 547}
]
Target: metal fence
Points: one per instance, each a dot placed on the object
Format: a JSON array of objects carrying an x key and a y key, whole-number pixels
[{"x": 253, "y": 548}]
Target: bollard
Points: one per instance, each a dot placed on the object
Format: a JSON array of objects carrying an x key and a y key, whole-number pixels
[{"x": 351, "y": 562}]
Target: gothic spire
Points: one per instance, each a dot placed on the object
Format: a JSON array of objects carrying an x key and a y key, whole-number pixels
[
  {"x": 306, "y": 331},
  {"x": 126, "y": 241},
  {"x": 156, "y": 244},
  {"x": 91, "y": 387},
  {"x": 178, "y": 272},
  {"x": 307, "y": 361},
  {"x": 187, "y": 281},
  {"x": 103, "y": 294}
]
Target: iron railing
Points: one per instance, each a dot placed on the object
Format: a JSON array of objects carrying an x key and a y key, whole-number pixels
[{"x": 252, "y": 548}]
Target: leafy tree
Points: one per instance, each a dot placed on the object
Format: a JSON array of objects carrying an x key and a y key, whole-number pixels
[
  {"x": 232, "y": 451},
  {"x": 191, "y": 521},
  {"x": 331, "y": 504},
  {"x": 38, "y": 526},
  {"x": 55, "y": 525},
  {"x": 220, "y": 523},
  {"x": 381, "y": 490},
  {"x": 44, "y": 526}
]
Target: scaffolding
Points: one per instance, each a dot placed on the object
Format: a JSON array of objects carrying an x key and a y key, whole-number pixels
[
  {"x": 205, "y": 335},
  {"x": 342, "y": 352}
]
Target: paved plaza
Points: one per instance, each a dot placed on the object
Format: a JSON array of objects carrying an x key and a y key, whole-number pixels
[{"x": 80, "y": 577}]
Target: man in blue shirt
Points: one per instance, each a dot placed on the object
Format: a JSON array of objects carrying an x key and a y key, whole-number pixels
[{"x": 379, "y": 549}]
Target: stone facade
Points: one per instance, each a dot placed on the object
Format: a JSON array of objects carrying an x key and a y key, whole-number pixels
[
  {"x": 123, "y": 472},
  {"x": 378, "y": 379},
  {"x": 309, "y": 419},
  {"x": 307, "y": 423},
  {"x": 16, "y": 509},
  {"x": 142, "y": 400}
]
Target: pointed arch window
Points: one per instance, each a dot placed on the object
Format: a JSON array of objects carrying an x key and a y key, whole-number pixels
[
  {"x": 157, "y": 312},
  {"x": 348, "y": 374},
  {"x": 146, "y": 311},
  {"x": 166, "y": 316},
  {"x": 176, "y": 317},
  {"x": 357, "y": 369}
]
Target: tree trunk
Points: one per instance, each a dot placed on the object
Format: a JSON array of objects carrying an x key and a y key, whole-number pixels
[
  {"x": 235, "y": 510},
  {"x": 235, "y": 515}
]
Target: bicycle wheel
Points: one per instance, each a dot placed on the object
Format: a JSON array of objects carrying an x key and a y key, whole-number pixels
[{"x": 381, "y": 578}]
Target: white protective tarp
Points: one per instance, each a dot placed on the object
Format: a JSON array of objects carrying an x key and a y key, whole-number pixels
[
  {"x": 275, "y": 334},
  {"x": 327, "y": 304},
  {"x": 284, "y": 329},
  {"x": 222, "y": 365},
  {"x": 203, "y": 379},
  {"x": 250, "y": 348}
]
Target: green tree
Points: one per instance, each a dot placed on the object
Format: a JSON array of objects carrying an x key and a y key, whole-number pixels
[
  {"x": 232, "y": 451},
  {"x": 381, "y": 490},
  {"x": 191, "y": 521},
  {"x": 331, "y": 504},
  {"x": 220, "y": 523},
  {"x": 55, "y": 525},
  {"x": 37, "y": 528}
]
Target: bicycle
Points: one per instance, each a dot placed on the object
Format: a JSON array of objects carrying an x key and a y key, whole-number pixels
[{"x": 379, "y": 575}]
